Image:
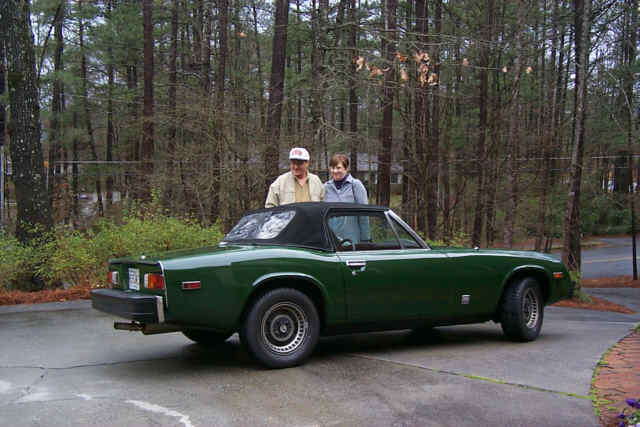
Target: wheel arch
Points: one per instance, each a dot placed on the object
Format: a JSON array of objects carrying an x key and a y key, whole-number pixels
[
  {"x": 301, "y": 282},
  {"x": 535, "y": 271}
]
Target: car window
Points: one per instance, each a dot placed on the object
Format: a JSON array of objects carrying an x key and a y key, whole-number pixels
[
  {"x": 406, "y": 240},
  {"x": 362, "y": 232},
  {"x": 262, "y": 225}
]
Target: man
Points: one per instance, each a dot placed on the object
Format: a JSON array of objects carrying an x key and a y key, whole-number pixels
[{"x": 298, "y": 185}]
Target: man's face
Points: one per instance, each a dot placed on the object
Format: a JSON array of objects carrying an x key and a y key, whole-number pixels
[{"x": 299, "y": 168}]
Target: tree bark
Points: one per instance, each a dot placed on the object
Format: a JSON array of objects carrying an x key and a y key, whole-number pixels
[
  {"x": 223, "y": 18},
  {"x": 511, "y": 146},
  {"x": 383, "y": 189},
  {"x": 352, "y": 47},
  {"x": 57, "y": 107},
  {"x": 482, "y": 129},
  {"x": 34, "y": 212},
  {"x": 421, "y": 114},
  {"x": 87, "y": 111},
  {"x": 110, "y": 130},
  {"x": 147, "y": 111},
  {"x": 571, "y": 254},
  {"x": 276, "y": 93}
]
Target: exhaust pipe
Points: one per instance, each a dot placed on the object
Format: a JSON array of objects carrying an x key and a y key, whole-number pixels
[
  {"x": 132, "y": 326},
  {"x": 150, "y": 329}
]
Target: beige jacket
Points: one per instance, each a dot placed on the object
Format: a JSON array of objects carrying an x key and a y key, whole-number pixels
[{"x": 283, "y": 190}]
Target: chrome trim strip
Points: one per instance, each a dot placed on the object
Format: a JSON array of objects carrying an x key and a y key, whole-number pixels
[
  {"x": 160, "y": 309},
  {"x": 407, "y": 228},
  {"x": 164, "y": 279}
]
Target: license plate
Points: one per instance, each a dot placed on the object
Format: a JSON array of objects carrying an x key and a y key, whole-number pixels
[{"x": 134, "y": 279}]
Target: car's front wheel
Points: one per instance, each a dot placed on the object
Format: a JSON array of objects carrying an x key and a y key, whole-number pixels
[
  {"x": 205, "y": 337},
  {"x": 522, "y": 310},
  {"x": 281, "y": 329}
]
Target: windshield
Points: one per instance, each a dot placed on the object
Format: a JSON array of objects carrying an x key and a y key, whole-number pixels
[{"x": 260, "y": 226}]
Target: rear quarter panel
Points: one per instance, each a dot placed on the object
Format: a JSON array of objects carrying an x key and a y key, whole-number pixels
[{"x": 228, "y": 278}]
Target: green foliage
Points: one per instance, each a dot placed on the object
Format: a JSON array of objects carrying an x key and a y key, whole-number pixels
[
  {"x": 80, "y": 258},
  {"x": 17, "y": 263},
  {"x": 459, "y": 239}
]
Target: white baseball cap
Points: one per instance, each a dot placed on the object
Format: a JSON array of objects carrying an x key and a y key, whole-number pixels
[{"x": 298, "y": 153}]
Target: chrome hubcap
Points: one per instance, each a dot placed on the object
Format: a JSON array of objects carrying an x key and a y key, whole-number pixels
[
  {"x": 284, "y": 327},
  {"x": 530, "y": 308}
]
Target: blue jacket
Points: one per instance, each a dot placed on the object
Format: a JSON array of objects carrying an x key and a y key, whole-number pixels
[{"x": 353, "y": 228}]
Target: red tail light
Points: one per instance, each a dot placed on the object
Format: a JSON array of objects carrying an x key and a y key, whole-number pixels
[
  {"x": 112, "y": 277},
  {"x": 153, "y": 281}
]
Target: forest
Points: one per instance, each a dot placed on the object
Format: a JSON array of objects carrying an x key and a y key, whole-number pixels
[{"x": 482, "y": 123}]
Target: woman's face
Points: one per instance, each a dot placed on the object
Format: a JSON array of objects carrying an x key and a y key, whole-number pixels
[{"x": 338, "y": 172}]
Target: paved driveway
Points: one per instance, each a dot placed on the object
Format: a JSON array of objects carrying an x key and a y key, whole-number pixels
[
  {"x": 615, "y": 259},
  {"x": 64, "y": 365}
]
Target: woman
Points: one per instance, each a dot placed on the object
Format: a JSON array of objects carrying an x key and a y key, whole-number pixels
[{"x": 345, "y": 188}]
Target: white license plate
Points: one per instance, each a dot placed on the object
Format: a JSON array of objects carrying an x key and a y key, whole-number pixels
[{"x": 134, "y": 279}]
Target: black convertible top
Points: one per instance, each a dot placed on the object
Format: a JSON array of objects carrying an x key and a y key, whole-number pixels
[{"x": 305, "y": 224}]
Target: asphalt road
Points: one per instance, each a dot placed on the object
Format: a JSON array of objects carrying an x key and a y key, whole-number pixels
[
  {"x": 63, "y": 364},
  {"x": 615, "y": 259}
]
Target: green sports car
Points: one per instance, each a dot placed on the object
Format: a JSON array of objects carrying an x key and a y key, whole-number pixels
[{"x": 284, "y": 276}]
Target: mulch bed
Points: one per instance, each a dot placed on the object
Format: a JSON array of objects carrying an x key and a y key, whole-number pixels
[
  {"x": 617, "y": 379},
  {"x": 596, "y": 303},
  {"x": 611, "y": 282},
  {"x": 47, "y": 295}
]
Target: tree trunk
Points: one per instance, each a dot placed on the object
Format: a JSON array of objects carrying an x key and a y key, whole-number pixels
[
  {"x": 433, "y": 168},
  {"x": 87, "y": 112},
  {"x": 259, "y": 61},
  {"x": 421, "y": 114},
  {"x": 631, "y": 40},
  {"x": 383, "y": 195},
  {"x": 482, "y": 129},
  {"x": 57, "y": 107},
  {"x": 571, "y": 255},
  {"x": 147, "y": 111},
  {"x": 172, "y": 127},
  {"x": 110, "y": 130},
  {"x": 352, "y": 46},
  {"x": 511, "y": 146},
  {"x": 223, "y": 17},
  {"x": 276, "y": 93},
  {"x": 34, "y": 212}
]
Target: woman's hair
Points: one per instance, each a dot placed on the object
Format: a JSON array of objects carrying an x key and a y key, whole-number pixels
[{"x": 339, "y": 158}]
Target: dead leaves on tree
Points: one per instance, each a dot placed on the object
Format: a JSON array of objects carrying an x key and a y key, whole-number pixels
[{"x": 424, "y": 74}]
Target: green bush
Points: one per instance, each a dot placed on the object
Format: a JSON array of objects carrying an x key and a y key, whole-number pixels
[
  {"x": 17, "y": 263},
  {"x": 79, "y": 258}
]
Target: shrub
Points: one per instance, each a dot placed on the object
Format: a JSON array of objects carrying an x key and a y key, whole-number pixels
[{"x": 77, "y": 258}]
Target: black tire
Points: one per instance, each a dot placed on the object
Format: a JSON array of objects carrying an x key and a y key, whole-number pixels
[
  {"x": 281, "y": 329},
  {"x": 522, "y": 310},
  {"x": 205, "y": 337}
]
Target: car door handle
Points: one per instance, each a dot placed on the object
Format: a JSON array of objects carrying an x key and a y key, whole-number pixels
[{"x": 356, "y": 264}]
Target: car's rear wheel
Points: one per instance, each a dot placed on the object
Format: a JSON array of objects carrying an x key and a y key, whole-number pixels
[
  {"x": 205, "y": 337},
  {"x": 281, "y": 329},
  {"x": 522, "y": 310}
]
